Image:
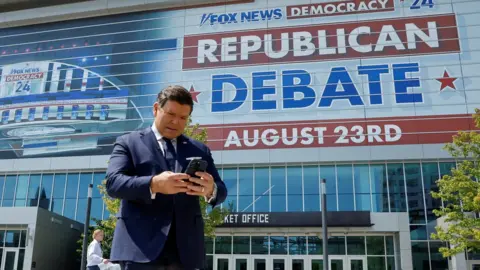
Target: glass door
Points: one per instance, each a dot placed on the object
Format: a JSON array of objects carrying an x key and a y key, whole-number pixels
[
  {"x": 316, "y": 263},
  {"x": 337, "y": 262},
  {"x": 240, "y": 263},
  {"x": 220, "y": 262},
  {"x": 278, "y": 262},
  {"x": 357, "y": 263},
  {"x": 10, "y": 259},
  {"x": 298, "y": 262},
  {"x": 259, "y": 263}
]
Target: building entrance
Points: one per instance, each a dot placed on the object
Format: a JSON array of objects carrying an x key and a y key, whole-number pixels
[
  {"x": 269, "y": 262},
  {"x": 9, "y": 259}
]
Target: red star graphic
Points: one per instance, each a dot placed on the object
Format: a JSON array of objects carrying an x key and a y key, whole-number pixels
[
  {"x": 446, "y": 80},
  {"x": 194, "y": 94}
]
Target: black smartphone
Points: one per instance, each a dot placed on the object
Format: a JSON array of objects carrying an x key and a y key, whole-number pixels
[{"x": 196, "y": 165}]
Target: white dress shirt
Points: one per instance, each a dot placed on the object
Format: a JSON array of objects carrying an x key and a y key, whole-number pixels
[
  {"x": 94, "y": 253},
  {"x": 163, "y": 145}
]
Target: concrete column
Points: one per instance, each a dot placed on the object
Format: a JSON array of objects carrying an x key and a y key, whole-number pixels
[
  {"x": 459, "y": 262},
  {"x": 405, "y": 245}
]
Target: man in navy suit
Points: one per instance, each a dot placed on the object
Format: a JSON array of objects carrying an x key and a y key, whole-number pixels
[{"x": 160, "y": 224}]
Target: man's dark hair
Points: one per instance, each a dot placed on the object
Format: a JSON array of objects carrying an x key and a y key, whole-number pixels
[{"x": 175, "y": 93}]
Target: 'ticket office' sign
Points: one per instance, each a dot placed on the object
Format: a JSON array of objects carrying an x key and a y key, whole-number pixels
[{"x": 300, "y": 219}]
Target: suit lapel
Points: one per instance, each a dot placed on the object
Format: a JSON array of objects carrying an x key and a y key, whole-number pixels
[{"x": 150, "y": 141}]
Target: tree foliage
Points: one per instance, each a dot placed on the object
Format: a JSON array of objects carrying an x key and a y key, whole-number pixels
[
  {"x": 212, "y": 217},
  {"x": 460, "y": 193}
]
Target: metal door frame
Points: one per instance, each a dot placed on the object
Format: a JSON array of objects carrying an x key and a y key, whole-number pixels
[
  {"x": 4, "y": 257},
  {"x": 221, "y": 256}
]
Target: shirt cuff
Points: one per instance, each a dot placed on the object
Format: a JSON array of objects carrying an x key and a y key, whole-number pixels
[
  {"x": 214, "y": 194},
  {"x": 153, "y": 194}
]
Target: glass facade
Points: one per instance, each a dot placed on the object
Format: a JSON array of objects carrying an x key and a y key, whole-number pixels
[
  {"x": 11, "y": 239},
  {"x": 376, "y": 187}
]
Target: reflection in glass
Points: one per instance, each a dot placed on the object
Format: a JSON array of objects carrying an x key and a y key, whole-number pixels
[
  {"x": 85, "y": 180},
  {"x": 390, "y": 263},
  {"x": 46, "y": 191},
  {"x": 10, "y": 263},
  {"x": 230, "y": 180},
  {"x": 356, "y": 264},
  {"x": 328, "y": 173},
  {"x": 223, "y": 245},
  {"x": 375, "y": 245},
  {"x": 379, "y": 184},
  {"x": 97, "y": 180},
  {"x": 2, "y": 183},
  {"x": 317, "y": 264},
  {"x": 278, "y": 245},
  {"x": 294, "y": 190},
  {"x": 241, "y": 245},
  {"x": 34, "y": 190},
  {"x": 97, "y": 206},
  {"x": 356, "y": 245},
  {"x": 389, "y": 245},
  {"x": 430, "y": 176},
  {"x": 80, "y": 215},
  {"x": 362, "y": 187},
  {"x": 376, "y": 263},
  {"x": 396, "y": 187},
  {"x": 315, "y": 245},
  {"x": 418, "y": 232},
  {"x": 345, "y": 188},
  {"x": 245, "y": 190},
  {"x": 336, "y": 245},
  {"x": 241, "y": 264},
  {"x": 311, "y": 182},
  {"x": 297, "y": 245},
  {"x": 2, "y": 237},
  {"x": 222, "y": 264},
  {"x": 416, "y": 208},
  {"x": 260, "y": 244},
  {"x": 12, "y": 238},
  {"x": 262, "y": 189},
  {"x": 9, "y": 190},
  {"x": 23, "y": 238},
  {"x": 278, "y": 189},
  {"x": 438, "y": 262},
  {"x": 336, "y": 264},
  {"x": 58, "y": 192},
  {"x": 21, "y": 191},
  {"x": 21, "y": 257}
]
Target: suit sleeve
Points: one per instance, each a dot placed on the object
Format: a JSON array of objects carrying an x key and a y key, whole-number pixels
[
  {"x": 121, "y": 180},
  {"x": 221, "y": 188}
]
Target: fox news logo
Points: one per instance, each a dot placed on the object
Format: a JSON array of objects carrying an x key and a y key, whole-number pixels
[{"x": 241, "y": 17}]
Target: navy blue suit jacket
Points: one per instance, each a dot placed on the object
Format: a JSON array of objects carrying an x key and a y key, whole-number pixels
[{"x": 143, "y": 224}]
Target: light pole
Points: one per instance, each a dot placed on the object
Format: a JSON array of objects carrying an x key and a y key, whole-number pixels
[
  {"x": 85, "y": 229},
  {"x": 324, "y": 225}
]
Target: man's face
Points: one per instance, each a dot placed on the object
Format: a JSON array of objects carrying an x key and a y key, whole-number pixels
[{"x": 171, "y": 120}]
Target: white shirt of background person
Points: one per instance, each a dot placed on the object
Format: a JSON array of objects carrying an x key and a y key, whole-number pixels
[{"x": 94, "y": 251}]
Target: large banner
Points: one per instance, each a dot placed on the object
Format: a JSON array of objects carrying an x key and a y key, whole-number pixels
[{"x": 264, "y": 75}]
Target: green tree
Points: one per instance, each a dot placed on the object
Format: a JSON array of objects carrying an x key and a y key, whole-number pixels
[
  {"x": 460, "y": 194},
  {"x": 212, "y": 218}
]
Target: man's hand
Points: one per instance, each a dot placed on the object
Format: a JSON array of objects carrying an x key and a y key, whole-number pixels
[
  {"x": 106, "y": 261},
  {"x": 204, "y": 187},
  {"x": 169, "y": 183}
]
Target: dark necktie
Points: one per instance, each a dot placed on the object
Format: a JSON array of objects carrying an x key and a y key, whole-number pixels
[{"x": 170, "y": 154}]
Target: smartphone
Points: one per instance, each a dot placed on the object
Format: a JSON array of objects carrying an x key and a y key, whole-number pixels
[{"x": 196, "y": 165}]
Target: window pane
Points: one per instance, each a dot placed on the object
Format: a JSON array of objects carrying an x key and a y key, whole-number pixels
[
  {"x": 21, "y": 190},
  {"x": 375, "y": 245},
  {"x": 21, "y": 257},
  {"x": 81, "y": 208},
  {"x": 58, "y": 193},
  {"x": 23, "y": 238},
  {"x": 46, "y": 193},
  {"x": 396, "y": 186},
  {"x": 437, "y": 260},
  {"x": 34, "y": 189},
  {"x": 415, "y": 193},
  {"x": 106, "y": 213},
  {"x": 356, "y": 245},
  {"x": 345, "y": 188},
  {"x": 389, "y": 243},
  {"x": 376, "y": 263},
  {"x": 223, "y": 245},
  {"x": 85, "y": 180},
  {"x": 97, "y": 180},
  {"x": 12, "y": 238},
  {"x": 70, "y": 208},
  {"x": 328, "y": 173},
  {"x": 230, "y": 179},
  {"x": 362, "y": 187},
  {"x": 390, "y": 263},
  {"x": 2, "y": 237},
  {"x": 262, "y": 189},
  {"x": 9, "y": 190},
  {"x": 336, "y": 245},
  {"x": 418, "y": 232},
  {"x": 294, "y": 182},
  {"x": 430, "y": 176},
  {"x": 208, "y": 245},
  {"x": 446, "y": 168},
  {"x": 278, "y": 189},
  {"x": 97, "y": 207},
  {"x": 245, "y": 190},
  {"x": 278, "y": 245},
  {"x": 315, "y": 245},
  {"x": 259, "y": 244},
  {"x": 241, "y": 245},
  {"x": 297, "y": 245},
  {"x": 420, "y": 255},
  {"x": 72, "y": 186},
  {"x": 311, "y": 188},
  {"x": 379, "y": 187},
  {"x": 2, "y": 183}
]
